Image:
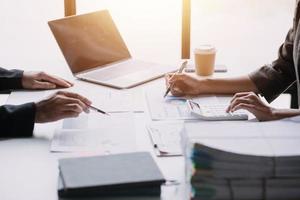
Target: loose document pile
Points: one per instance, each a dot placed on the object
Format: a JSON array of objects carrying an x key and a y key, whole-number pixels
[{"x": 257, "y": 161}]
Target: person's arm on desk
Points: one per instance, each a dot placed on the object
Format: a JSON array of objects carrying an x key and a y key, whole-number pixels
[
  {"x": 18, "y": 79},
  {"x": 184, "y": 84},
  {"x": 251, "y": 102},
  {"x": 18, "y": 121},
  {"x": 269, "y": 81}
]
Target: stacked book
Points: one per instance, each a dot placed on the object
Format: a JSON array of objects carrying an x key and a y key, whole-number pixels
[{"x": 221, "y": 175}]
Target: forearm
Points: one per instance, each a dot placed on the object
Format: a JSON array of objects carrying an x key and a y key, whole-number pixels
[
  {"x": 227, "y": 85},
  {"x": 284, "y": 113}
]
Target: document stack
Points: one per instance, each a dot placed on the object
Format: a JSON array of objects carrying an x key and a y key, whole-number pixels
[{"x": 221, "y": 175}]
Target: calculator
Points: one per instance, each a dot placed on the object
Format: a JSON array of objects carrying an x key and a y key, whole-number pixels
[{"x": 215, "y": 112}]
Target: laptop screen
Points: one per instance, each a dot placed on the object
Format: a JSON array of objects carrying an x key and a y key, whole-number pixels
[{"x": 89, "y": 40}]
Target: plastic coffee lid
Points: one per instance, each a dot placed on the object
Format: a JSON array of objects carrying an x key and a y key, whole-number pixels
[{"x": 205, "y": 49}]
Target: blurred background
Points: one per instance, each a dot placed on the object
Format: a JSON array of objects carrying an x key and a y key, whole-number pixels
[{"x": 247, "y": 33}]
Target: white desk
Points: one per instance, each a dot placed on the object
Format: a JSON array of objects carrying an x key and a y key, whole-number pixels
[{"x": 28, "y": 169}]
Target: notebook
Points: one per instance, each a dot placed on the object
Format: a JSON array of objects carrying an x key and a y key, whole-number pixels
[{"x": 130, "y": 174}]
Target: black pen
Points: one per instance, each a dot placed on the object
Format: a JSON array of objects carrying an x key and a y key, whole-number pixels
[
  {"x": 98, "y": 110},
  {"x": 180, "y": 70}
]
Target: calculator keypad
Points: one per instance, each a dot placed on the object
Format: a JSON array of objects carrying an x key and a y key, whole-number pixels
[{"x": 216, "y": 112}]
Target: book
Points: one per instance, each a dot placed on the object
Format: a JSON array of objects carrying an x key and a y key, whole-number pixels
[{"x": 127, "y": 174}]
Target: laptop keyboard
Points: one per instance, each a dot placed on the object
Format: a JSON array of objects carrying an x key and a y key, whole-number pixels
[{"x": 118, "y": 70}]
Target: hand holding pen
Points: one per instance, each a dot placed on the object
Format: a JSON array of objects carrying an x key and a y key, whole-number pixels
[
  {"x": 87, "y": 103},
  {"x": 180, "y": 70},
  {"x": 61, "y": 105}
]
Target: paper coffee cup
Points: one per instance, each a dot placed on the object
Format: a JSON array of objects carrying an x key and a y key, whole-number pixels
[{"x": 205, "y": 56}]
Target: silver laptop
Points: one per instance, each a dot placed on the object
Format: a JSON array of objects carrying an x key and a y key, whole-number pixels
[{"x": 96, "y": 52}]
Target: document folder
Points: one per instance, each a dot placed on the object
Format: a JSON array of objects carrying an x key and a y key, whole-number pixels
[{"x": 131, "y": 174}]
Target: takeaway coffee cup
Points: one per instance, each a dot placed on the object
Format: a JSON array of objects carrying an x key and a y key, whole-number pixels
[{"x": 205, "y": 56}]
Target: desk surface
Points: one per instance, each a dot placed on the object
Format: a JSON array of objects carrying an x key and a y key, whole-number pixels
[
  {"x": 27, "y": 169},
  {"x": 29, "y": 166}
]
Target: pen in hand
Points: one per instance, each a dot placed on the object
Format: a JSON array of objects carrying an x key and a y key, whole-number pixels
[
  {"x": 98, "y": 110},
  {"x": 180, "y": 70}
]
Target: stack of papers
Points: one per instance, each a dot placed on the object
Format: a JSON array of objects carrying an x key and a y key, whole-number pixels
[
  {"x": 250, "y": 160},
  {"x": 247, "y": 189},
  {"x": 221, "y": 164}
]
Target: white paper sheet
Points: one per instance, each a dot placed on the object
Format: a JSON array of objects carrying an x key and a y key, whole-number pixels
[
  {"x": 160, "y": 108},
  {"x": 20, "y": 97},
  {"x": 96, "y": 133},
  {"x": 106, "y": 99},
  {"x": 3, "y": 99},
  {"x": 110, "y": 100},
  {"x": 175, "y": 108},
  {"x": 285, "y": 146},
  {"x": 225, "y": 130},
  {"x": 274, "y": 138},
  {"x": 247, "y": 146},
  {"x": 166, "y": 138},
  {"x": 287, "y": 128},
  {"x": 169, "y": 108}
]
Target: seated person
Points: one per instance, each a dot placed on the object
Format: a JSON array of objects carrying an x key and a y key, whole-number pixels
[
  {"x": 269, "y": 81},
  {"x": 18, "y": 121}
]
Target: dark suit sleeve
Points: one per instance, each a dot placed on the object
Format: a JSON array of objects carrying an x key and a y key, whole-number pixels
[
  {"x": 17, "y": 121},
  {"x": 10, "y": 79},
  {"x": 272, "y": 80}
]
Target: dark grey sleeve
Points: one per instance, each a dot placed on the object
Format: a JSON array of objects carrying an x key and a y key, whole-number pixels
[
  {"x": 10, "y": 79},
  {"x": 272, "y": 80},
  {"x": 17, "y": 121}
]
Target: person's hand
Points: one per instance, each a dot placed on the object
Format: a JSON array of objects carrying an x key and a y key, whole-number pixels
[
  {"x": 42, "y": 80},
  {"x": 251, "y": 102},
  {"x": 182, "y": 84},
  {"x": 61, "y": 105}
]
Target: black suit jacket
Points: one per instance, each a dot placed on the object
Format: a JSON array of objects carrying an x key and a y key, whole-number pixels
[
  {"x": 15, "y": 121},
  {"x": 271, "y": 80}
]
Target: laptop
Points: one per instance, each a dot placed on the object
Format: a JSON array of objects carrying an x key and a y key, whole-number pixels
[{"x": 96, "y": 52}]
